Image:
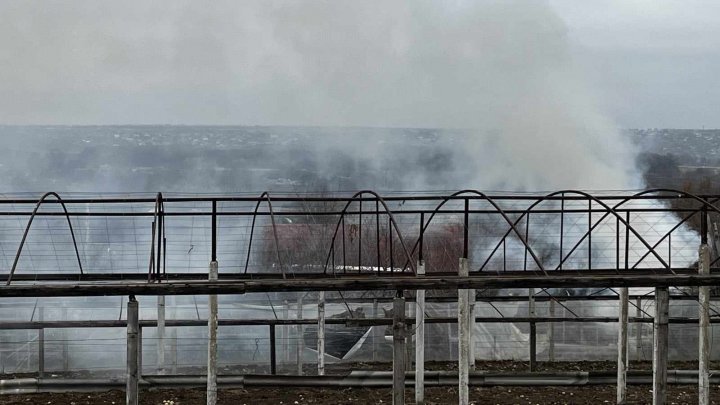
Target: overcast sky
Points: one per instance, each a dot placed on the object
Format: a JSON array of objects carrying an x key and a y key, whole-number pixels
[{"x": 644, "y": 63}]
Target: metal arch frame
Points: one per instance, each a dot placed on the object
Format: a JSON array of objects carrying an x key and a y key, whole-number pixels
[
  {"x": 705, "y": 204},
  {"x": 27, "y": 230},
  {"x": 265, "y": 194},
  {"x": 392, "y": 221},
  {"x": 159, "y": 230},
  {"x": 497, "y": 208},
  {"x": 609, "y": 211}
]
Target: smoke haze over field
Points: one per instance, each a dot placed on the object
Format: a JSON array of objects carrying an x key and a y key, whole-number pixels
[{"x": 501, "y": 68}]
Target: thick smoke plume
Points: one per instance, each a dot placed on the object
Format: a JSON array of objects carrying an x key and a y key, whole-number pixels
[{"x": 500, "y": 70}]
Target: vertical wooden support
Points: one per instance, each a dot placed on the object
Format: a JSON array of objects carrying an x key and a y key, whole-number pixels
[
  {"x": 375, "y": 331},
  {"x": 399, "y": 333},
  {"x": 285, "y": 335},
  {"x": 638, "y": 329},
  {"x": 299, "y": 343},
  {"x": 133, "y": 330},
  {"x": 622, "y": 359},
  {"x": 161, "y": 334},
  {"x": 65, "y": 355},
  {"x": 551, "y": 333},
  {"x": 533, "y": 330},
  {"x": 173, "y": 350},
  {"x": 140, "y": 351},
  {"x": 321, "y": 334},
  {"x": 212, "y": 339},
  {"x": 660, "y": 345},
  {"x": 420, "y": 340},
  {"x": 471, "y": 326},
  {"x": 41, "y": 344},
  {"x": 704, "y": 333},
  {"x": 463, "y": 337},
  {"x": 273, "y": 351}
]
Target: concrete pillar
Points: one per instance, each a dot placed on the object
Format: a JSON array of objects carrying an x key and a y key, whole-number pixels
[
  {"x": 420, "y": 340},
  {"x": 321, "y": 334},
  {"x": 622, "y": 360},
  {"x": 463, "y": 337},
  {"x": 660, "y": 346},
  {"x": 704, "y": 332},
  {"x": 133, "y": 331},
  {"x": 212, "y": 339},
  {"x": 161, "y": 334},
  {"x": 375, "y": 331},
  {"x": 399, "y": 332}
]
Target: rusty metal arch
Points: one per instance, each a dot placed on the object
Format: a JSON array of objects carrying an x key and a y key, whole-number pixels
[
  {"x": 27, "y": 230},
  {"x": 266, "y": 195},
  {"x": 497, "y": 208},
  {"x": 392, "y": 221}
]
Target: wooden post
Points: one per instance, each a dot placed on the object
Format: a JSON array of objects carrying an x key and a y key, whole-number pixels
[
  {"x": 140, "y": 351},
  {"x": 173, "y": 350},
  {"x": 375, "y": 331},
  {"x": 471, "y": 326},
  {"x": 420, "y": 340},
  {"x": 463, "y": 337},
  {"x": 41, "y": 344},
  {"x": 622, "y": 360},
  {"x": 551, "y": 333},
  {"x": 161, "y": 334},
  {"x": 299, "y": 343},
  {"x": 65, "y": 354},
  {"x": 660, "y": 346},
  {"x": 399, "y": 333},
  {"x": 533, "y": 330},
  {"x": 273, "y": 353},
  {"x": 638, "y": 330},
  {"x": 704, "y": 333},
  {"x": 285, "y": 335},
  {"x": 133, "y": 330},
  {"x": 321, "y": 334},
  {"x": 212, "y": 339}
]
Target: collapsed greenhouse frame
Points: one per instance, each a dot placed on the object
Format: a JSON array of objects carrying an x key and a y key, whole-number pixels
[{"x": 398, "y": 257}]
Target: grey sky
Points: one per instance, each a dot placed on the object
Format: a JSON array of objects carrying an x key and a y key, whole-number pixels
[{"x": 456, "y": 63}]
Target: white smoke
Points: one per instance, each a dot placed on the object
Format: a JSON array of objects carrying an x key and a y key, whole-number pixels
[{"x": 499, "y": 68}]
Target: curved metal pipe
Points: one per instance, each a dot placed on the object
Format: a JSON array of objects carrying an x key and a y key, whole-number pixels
[
  {"x": 27, "y": 230},
  {"x": 392, "y": 222}
]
